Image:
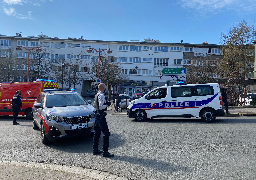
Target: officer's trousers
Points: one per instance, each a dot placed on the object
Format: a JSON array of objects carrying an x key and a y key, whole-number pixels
[
  {"x": 101, "y": 126},
  {"x": 15, "y": 113}
]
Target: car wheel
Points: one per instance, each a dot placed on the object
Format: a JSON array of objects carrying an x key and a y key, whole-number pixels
[
  {"x": 208, "y": 115},
  {"x": 140, "y": 115},
  {"x": 35, "y": 125},
  {"x": 29, "y": 114},
  {"x": 44, "y": 139}
]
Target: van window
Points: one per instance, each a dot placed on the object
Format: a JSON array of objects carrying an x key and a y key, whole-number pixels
[
  {"x": 188, "y": 91},
  {"x": 157, "y": 94}
]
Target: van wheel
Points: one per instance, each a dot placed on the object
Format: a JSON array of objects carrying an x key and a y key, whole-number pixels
[
  {"x": 208, "y": 115},
  {"x": 44, "y": 139},
  {"x": 29, "y": 114},
  {"x": 140, "y": 115}
]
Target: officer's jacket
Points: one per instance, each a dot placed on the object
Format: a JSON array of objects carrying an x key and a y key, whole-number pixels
[
  {"x": 16, "y": 101},
  {"x": 100, "y": 101}
]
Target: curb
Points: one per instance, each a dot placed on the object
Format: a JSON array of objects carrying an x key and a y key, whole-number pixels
[{"x": 22, "y": 167}]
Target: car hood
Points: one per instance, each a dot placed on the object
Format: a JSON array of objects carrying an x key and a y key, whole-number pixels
[{"x": 71, "y": 111}]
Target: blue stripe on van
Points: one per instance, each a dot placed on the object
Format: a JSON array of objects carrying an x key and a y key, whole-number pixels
[{"x": 170, "y": 105}]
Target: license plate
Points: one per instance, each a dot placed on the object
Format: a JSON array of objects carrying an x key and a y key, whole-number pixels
[{"x": 79, "y": 126}]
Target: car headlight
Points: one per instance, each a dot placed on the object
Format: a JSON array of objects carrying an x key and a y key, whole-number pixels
[{"x": 55, "y": 118}]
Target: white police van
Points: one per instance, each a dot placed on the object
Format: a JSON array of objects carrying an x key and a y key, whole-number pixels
[{"x": 191, "y": 100}]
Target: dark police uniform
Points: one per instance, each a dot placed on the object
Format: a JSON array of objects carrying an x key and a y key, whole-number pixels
[
  {"x": 101, "y": 126},
  {"x": 224, "y": 98},
  {"x": 16, "y": 106}
]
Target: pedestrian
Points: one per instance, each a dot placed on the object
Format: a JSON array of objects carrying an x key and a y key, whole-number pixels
[
  {"x": 118, "y": 100},
  {"x": 101, "y": 123},
  {"x": 223, "y": 91},
  {"x": 16, "y": 106}
]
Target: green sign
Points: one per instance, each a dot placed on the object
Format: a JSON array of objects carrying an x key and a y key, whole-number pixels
[{"x": 174, "y": 71}]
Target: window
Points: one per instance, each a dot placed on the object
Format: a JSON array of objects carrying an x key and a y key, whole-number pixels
[
  {"x": 73, "y": 45},
  {"x": 147, "y": 59},
  {"x": 146, "y": 48},
  {"x": 177, "y": 61},
  {"x": 216, "y": 51},
  {"x": 135, "y": 71},
  {"x": 22, "y": 43},
  {"x": 123, "y": 48},
  {"x": 34, "y": 43},
  {"x": 159, "y": 62},
  {"x": 135, "y": 48},
  {"x": 188, "y": 49},
  {"x": 174, "y": 48},
  {"x": 161, "y": 49},
  {"x": 157, "y": 94},
  {"x": 135, "y": 60},
  {"x": 188, "y": 91},
  {"x": 4, "y": 54},
  {"x": 124, "y": 71},
  {"x": 47, "y": 55},
  {"x": 5, "y": 42},
  {"x": 158, "y": 72},
  {"x": 123, "y": 59},
  {"x": 22, "y": 55},
  {"x": 85, "y": 57},
  {"x": 186, "y": 61}
]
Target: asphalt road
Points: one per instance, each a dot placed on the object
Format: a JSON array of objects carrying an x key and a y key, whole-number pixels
[{"x": 157, "y": 149}]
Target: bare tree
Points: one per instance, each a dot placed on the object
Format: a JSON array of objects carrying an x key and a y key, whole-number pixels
[{"x": 238, "y": 57}]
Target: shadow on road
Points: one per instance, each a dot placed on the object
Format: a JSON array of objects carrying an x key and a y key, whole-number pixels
[
  {"x": 151, "y": 163},
  {"x": 83, "y": 144}
]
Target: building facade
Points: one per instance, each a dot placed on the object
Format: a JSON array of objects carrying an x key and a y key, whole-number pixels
[{"x": 53, "y": 58}]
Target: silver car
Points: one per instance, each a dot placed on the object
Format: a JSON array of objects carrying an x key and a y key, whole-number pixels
[{"x": 62, "y": 113}]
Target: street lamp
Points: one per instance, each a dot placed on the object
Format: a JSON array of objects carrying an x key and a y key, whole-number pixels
[
  {"x": 28, "y": 49},
  {"x": 99, "y": 51}
]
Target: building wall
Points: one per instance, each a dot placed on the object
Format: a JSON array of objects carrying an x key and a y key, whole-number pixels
[{"x": 162, "y": 55}]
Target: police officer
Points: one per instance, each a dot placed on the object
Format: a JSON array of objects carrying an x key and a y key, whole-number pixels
[
  {"x": 224, "y": 97},
  {"x": 101, "y": 123},
  {"x": 16, "y": 106}
]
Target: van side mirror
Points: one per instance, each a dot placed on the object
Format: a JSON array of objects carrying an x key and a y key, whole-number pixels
[{"x": 38, "y": 105}]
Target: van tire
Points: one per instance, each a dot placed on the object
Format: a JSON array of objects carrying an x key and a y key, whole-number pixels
[
  {"x": 140, "y": 115},
  {"x": 208, "y": 115}
]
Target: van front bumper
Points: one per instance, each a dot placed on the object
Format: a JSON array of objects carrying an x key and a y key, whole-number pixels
[{"x": 130, "y": 113}]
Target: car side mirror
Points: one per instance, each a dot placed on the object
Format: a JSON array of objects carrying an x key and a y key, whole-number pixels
[
  {"x": 89, "y": 101},
  {"x": 38, "y": 105}
]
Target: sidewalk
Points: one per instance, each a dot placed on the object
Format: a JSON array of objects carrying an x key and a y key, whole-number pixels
[{"x": 242, "y": 111}]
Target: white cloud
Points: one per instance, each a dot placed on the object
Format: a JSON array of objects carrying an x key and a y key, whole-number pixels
[
  {"x": 9, "y": 11},
  {"x": 218, "y": 5},
  {"x": 12, "y": 12},
  {"x": 10, "y": 2}
]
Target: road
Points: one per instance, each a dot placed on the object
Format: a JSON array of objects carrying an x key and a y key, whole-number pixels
[{"x": 157, "y": 149}]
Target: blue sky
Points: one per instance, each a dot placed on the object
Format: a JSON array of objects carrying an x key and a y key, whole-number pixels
[{"x": 193, "y": 21}]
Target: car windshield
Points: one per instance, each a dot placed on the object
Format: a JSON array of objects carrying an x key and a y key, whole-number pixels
[{"x": 62, "y": 100}]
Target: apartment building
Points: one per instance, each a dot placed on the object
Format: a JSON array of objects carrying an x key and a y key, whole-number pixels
[{"x": 142, "y": 61}]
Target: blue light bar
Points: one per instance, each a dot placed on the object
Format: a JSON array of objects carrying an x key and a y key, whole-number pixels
[{"x": 45, "y": 80}]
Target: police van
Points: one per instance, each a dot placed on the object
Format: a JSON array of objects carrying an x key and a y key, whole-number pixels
[{"x": 191, "y": 100}]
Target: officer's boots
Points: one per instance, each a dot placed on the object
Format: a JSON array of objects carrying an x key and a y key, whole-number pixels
[
  {"x": 97, "y": 151},
  {"x": 107, "y": 154}
]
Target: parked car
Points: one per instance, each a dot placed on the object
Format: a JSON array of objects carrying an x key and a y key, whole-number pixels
[
  {"x": 137, "y": 95},
  {"x": 62, "y": 113},
  {"x": 90, "y": 93},
  {"x": 247, "y": 100},
  {"x": 125, "y": 99}
]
